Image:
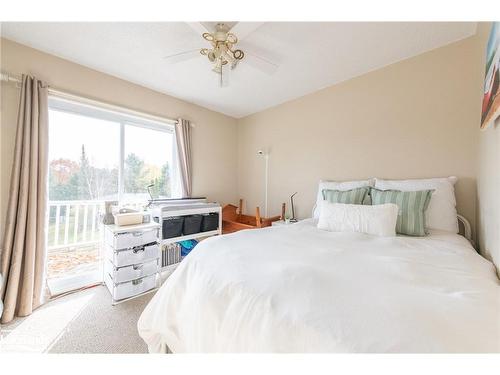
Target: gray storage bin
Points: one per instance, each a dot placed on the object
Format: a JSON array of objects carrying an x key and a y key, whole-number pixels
[
  {"x": 192, "y": 224},
  {"x": 210, "y": 222},
  {"x": 172, "y": 226}
]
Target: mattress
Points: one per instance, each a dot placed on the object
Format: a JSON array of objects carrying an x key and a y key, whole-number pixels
[{"x": 299, "y": 289}]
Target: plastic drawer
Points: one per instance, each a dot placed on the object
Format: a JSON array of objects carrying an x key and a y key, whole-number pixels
[
  {"x": 130, "y": 288},
  {"x": 131, "y": 239},
  {"x": 136, "y": 255},
  {"x": 135, "y": 271}
]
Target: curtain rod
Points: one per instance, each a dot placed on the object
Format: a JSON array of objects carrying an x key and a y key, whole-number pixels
[{"x": 7, "y": 77}]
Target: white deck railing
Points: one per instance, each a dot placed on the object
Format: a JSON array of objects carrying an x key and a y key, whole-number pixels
[
  {"x": 73, "y": 223},
  {"x": 76, "y": 223}
]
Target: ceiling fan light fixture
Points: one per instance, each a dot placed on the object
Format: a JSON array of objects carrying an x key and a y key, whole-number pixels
[
  {"x": 238, "y": 54},
  {"x": 222, "y": 52},
  {"x": 218, "y": 66},
  {"x": 231, "y": 38},
  {"x": 228, "y": 56},
  {"x": 208, "y": 37}
]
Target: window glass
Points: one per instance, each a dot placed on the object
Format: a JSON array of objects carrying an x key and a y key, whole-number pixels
[
  {"x": 147, "y": 163},
  {"x": 83, "y": 157}
]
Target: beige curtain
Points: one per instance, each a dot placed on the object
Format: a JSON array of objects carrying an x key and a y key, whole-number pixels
[
  {"x": 23, "y": 254},
  {"x": 183, "y": 138}
]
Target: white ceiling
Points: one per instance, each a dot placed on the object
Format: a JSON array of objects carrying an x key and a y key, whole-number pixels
[{"x": 310, "y": 55}]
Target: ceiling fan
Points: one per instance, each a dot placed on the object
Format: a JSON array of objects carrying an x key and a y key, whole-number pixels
[{"x": 223, "y": 52}]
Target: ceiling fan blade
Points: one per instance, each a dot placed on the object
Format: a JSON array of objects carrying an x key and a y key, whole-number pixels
[
  {"x": 198, "y": 28},
  {"x": 260, "y": 63},
  {"x": 243, "y": 29},
  {"x": 182, "y": 56}
]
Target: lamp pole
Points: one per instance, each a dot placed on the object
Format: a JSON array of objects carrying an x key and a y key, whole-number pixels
[
  {"x": 266, "y": 178},
  {"x": 267, "y": 184}
]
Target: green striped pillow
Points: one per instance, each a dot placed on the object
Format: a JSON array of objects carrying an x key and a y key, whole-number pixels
[
  {"x": 412, "y": 206},
  {"x": 353, "y": 196}
]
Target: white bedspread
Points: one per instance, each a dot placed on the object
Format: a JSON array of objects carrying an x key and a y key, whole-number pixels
[{"x": 299, "y": 289}]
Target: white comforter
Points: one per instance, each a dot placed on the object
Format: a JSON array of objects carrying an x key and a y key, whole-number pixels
[{"x": 299, "y": 289}]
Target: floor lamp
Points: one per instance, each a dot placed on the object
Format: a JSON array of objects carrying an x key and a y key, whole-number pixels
[{"x": 266, "y": 179}]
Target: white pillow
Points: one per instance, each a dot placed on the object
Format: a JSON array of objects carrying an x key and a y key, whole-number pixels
[
  {"x": 442, "y": 212},
  {"x": 335, "y": 185},
  {"x": 379, "y": 220}
]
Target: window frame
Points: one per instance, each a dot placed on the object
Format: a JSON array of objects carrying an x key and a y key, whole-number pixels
[{"x": 123, "y": 117}]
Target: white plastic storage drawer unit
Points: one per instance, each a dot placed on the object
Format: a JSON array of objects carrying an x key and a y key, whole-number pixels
[{"x": 132, "y": 260}]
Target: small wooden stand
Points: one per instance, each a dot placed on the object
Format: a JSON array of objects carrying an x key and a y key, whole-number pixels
[{"x": 233, "y": 220}]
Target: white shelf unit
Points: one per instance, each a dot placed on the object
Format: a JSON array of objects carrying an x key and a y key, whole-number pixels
[{"x": 163, "y": 212}]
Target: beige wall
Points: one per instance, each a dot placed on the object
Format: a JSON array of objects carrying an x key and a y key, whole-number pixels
[
  {"x": 214, "y": 137},
  {"x": 416, "y": 118},
  {"x": 488, "y": 210}
]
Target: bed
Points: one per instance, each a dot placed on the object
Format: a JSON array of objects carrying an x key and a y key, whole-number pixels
[{"x": 300, "y": 289}]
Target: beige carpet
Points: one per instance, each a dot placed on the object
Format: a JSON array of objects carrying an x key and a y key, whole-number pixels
[
  {"x": 83, "y": 322},
  {"x": 103, "y": 328}
]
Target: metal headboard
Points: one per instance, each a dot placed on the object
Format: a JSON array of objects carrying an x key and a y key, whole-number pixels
[{"x": 467, "y": 228}]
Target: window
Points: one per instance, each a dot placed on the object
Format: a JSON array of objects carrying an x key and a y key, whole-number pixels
[{"x": 98, "y": 155}]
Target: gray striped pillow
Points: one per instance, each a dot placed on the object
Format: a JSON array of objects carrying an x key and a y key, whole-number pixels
[
  {"x": 412, "y": 206},
  {"x": 353, "y": 196}
]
